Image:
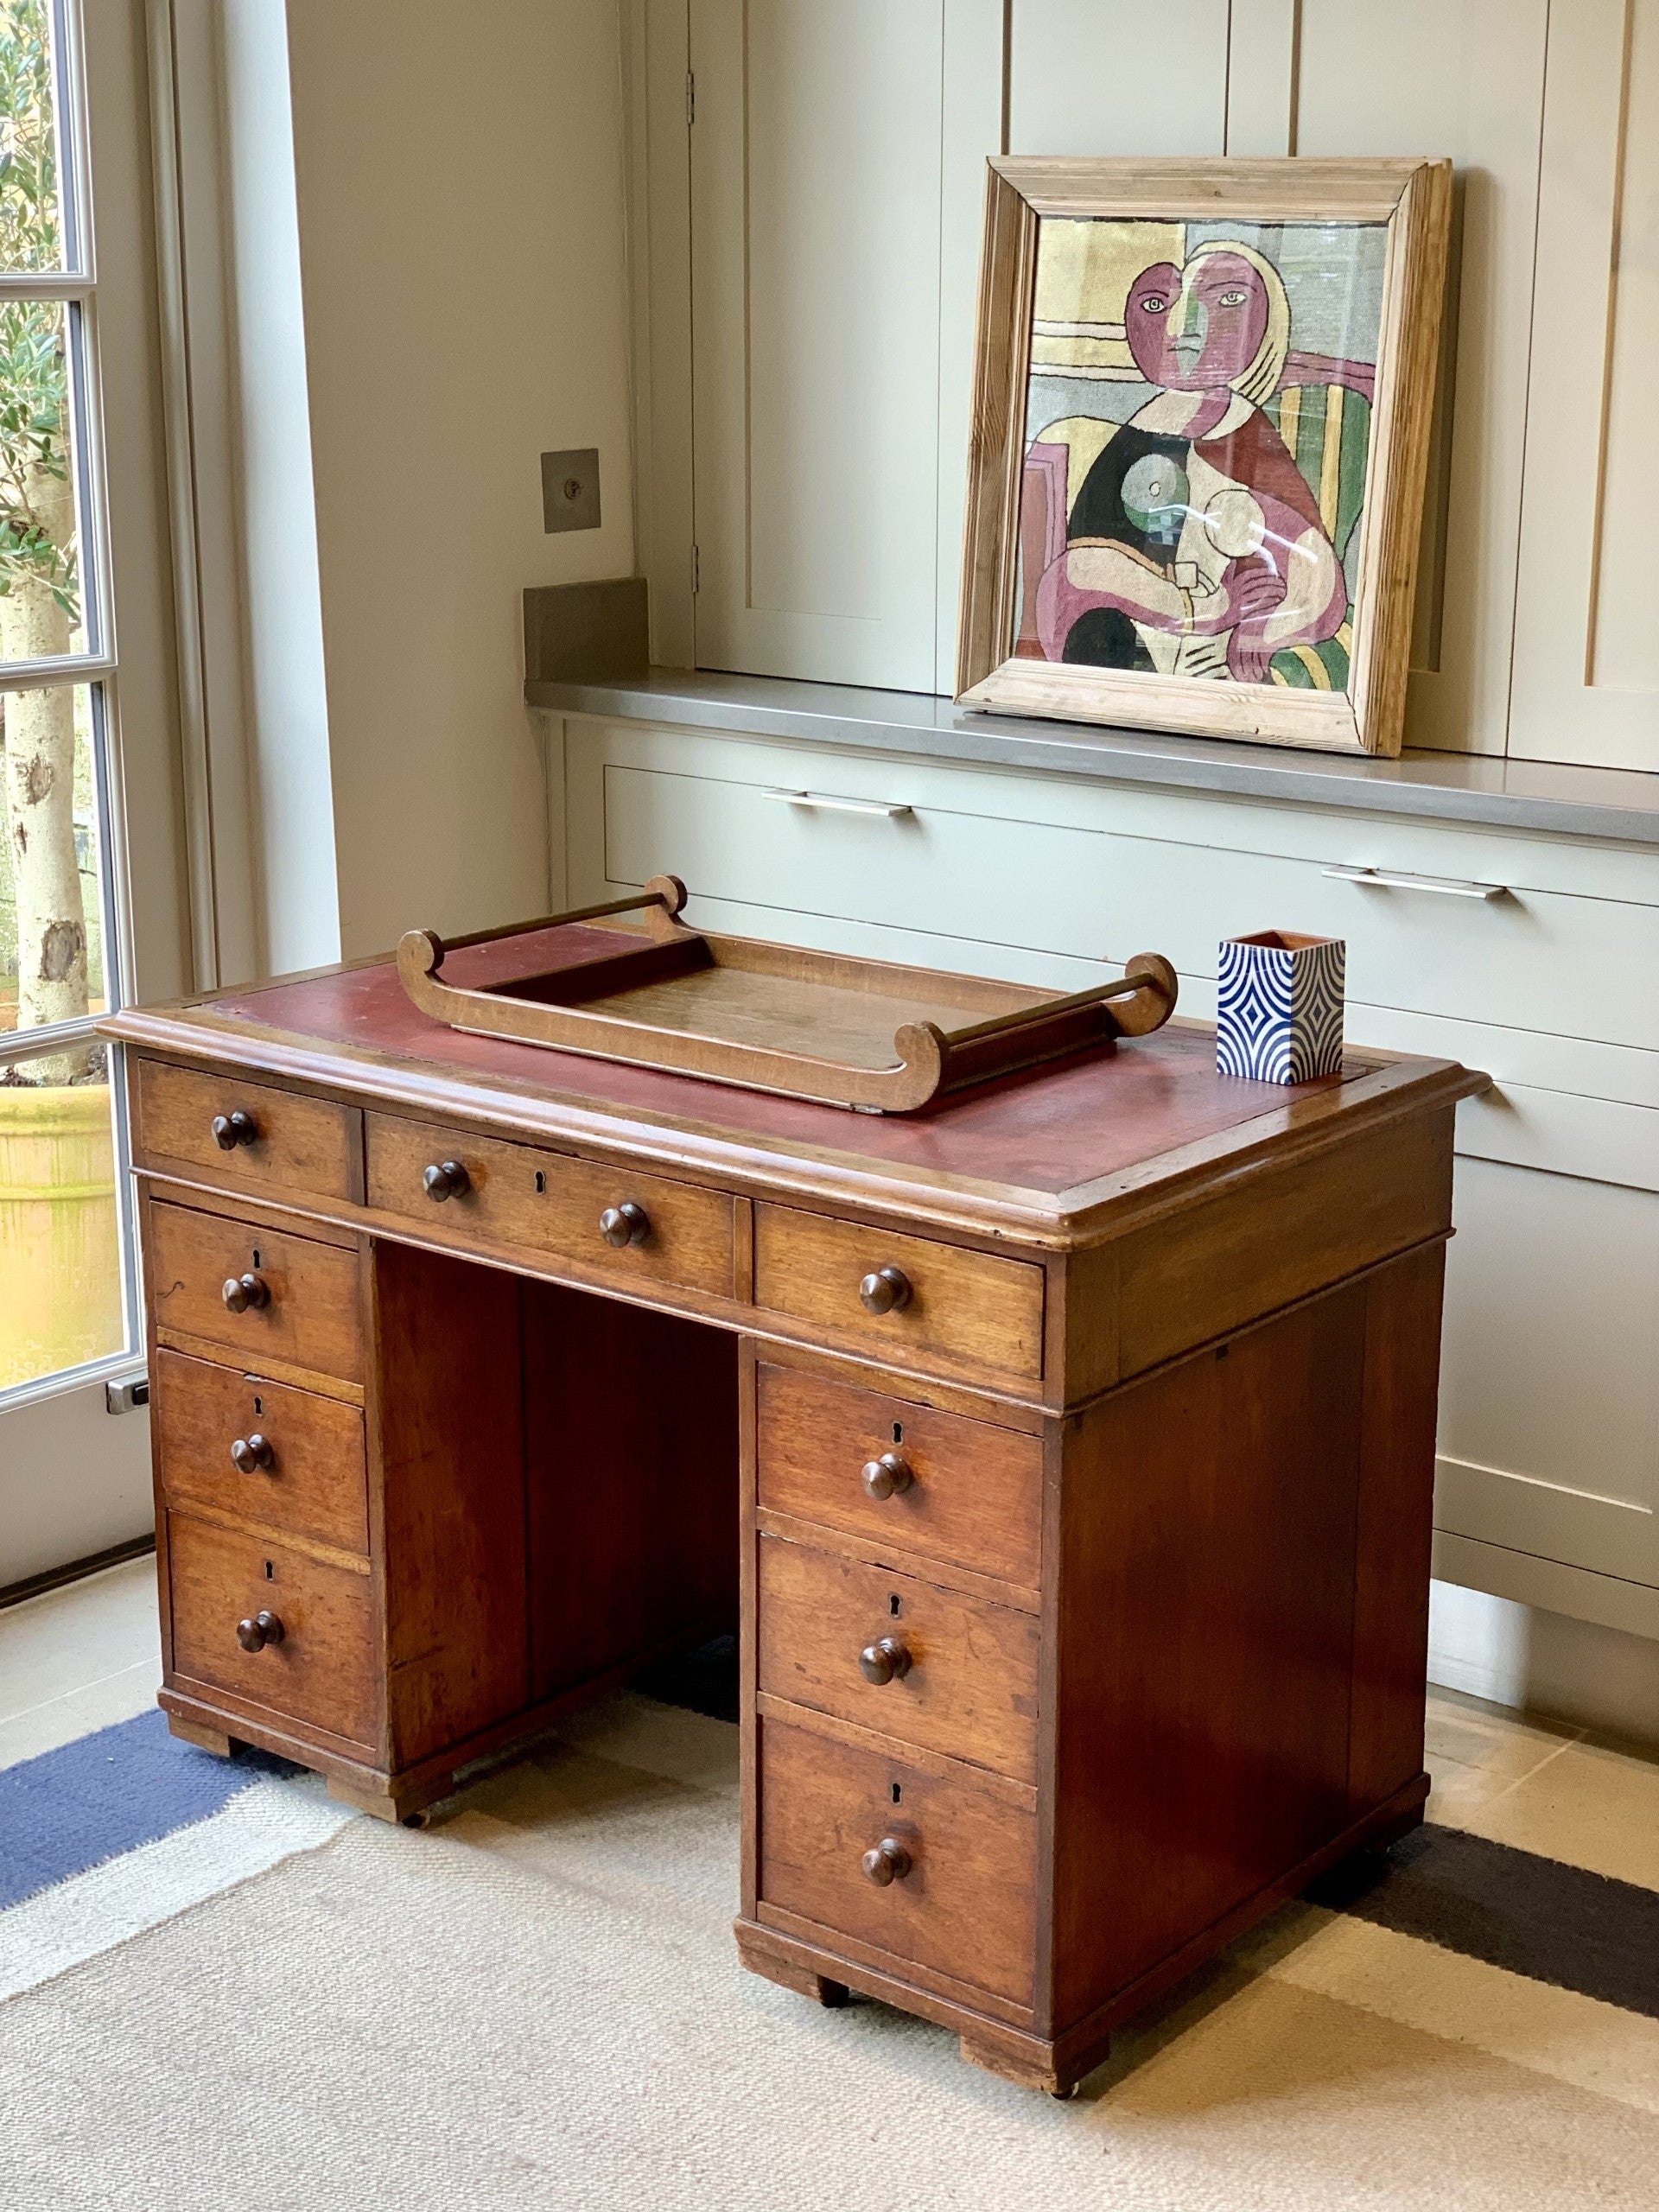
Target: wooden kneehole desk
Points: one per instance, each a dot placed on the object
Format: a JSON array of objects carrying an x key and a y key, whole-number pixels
[{"x": 1082, "y": 1594}]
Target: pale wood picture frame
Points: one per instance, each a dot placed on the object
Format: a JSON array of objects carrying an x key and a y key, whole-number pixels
[{"x": 1413, "y": 198}]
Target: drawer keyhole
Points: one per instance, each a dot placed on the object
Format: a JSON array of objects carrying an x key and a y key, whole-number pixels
[
  {"x": 270, "y": 1572},
  {"x": 896, "y": 1604},
  {"x": 898, "y": 1431},
  {"x": 541, "y": 1181},
  {"x": 895, "y": 1793}
]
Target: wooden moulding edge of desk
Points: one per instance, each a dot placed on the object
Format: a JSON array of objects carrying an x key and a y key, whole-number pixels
[{"x": 793, "y": 1172}]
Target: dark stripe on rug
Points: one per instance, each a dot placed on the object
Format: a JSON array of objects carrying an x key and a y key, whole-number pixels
[
  {"x": 1535, "y": 1917},
  {"x": 106, "y": 1794}
]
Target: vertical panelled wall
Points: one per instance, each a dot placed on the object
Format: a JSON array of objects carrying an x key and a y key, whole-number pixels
[
  {"x": 805, "y": 257},
  {"x": 1585, "y": 681},
  {"x": 805, "y": 262}
]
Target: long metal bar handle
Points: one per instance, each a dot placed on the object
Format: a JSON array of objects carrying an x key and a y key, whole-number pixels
[
  {"x": 664, "y": 890},
  {"x": 1443, "y": 886}
]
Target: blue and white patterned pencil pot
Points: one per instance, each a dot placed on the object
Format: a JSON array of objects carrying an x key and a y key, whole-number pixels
[{"x": 1278, "y": 1007}]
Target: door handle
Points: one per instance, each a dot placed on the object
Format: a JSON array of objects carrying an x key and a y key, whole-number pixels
[
  {"x": 826, "y": 802},
  {"x": 1443, "y": 886}
]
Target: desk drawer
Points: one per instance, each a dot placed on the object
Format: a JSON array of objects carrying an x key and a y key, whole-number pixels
[
  {"x": 969, "y": 1308},
  {"x": 974, "y": 1495},
  {"x": 284, "y": 1145},
  {"x": 300, "y": 1464},
  {"x": 311, "y": 1315},
  {"x": 955, "y": 1674},
  {"x": 547, "y": 1202},
  {"x": 965, "y": 1904},
  {"x": 322, "y": 1671}
]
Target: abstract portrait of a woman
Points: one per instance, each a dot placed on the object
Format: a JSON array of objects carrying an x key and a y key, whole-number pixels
[{"x": 1199, "y": 518}]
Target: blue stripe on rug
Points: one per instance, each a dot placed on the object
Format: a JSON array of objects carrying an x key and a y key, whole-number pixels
[{"x": 106, "y": 1794}]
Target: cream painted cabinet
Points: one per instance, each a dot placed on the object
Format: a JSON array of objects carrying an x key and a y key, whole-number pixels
[
  {"x": 1549, "y": 1414},
  {"x": 1549, "y": 1444}
]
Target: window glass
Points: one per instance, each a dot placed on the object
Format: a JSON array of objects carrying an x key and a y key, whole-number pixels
[
  {"x": 31, "y": 214},
  {"x": 51, "y": 954},
  {"x": 61, "y": 1272},
  {"x": 43, "y": 600}
]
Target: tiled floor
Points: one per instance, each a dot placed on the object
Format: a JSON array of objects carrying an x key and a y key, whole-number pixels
[
  {"x": 79, "y": 1658},
  {"x": 1543, "y": 1787}
]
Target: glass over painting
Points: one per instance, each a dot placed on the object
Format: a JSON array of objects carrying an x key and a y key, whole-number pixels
[{"x": 1197, "y": 442}]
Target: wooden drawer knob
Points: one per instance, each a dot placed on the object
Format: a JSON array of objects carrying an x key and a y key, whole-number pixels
[
  {"x": 885, "y": 1291},
  {"x": 888, "y": 1862},
  {"x": 888, "y": 1476},
  {"x": 233, "y": 1129},
  {"x": 625, "y": 1224},
  {"x": 887, "y": 1662},
  {"x": 253, "y": 1455},
  {"x": 265, "y": 1628},
  {"x": 242, "y": 1292},
  {"x": 446, "y": 1178}
]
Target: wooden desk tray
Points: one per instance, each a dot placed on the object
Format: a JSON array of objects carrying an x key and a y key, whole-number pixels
[{"x": 813, "y": 1025}]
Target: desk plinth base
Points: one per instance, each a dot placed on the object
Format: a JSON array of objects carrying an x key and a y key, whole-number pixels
[
  {"x": 365, "y": 1788},
  {"x": 406, "y": 1794},
  {"x": 1057, "y": 2064}
]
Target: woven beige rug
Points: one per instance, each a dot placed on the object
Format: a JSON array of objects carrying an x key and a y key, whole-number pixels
[{"x": 536, "y": 2003}]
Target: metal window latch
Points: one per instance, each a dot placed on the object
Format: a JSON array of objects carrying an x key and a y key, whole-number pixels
[
  {"x": 126, "y": 1397},
  {"x": 1443, "y": 886},
  {"x": 825, "y": 803}
]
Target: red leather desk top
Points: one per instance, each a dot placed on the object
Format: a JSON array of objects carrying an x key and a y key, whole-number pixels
[{"x": 1047, "y": 1130}]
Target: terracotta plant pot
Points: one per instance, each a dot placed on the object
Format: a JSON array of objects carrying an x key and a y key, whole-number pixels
[{"x": 60, "y": 1301}]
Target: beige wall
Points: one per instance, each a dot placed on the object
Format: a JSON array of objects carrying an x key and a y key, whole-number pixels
[{"x": 459, "y": 175}]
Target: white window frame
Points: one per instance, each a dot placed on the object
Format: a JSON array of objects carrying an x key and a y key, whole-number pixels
[
  {"x": 72, "y": 1482},
  {"x": 76, "y": 286}
]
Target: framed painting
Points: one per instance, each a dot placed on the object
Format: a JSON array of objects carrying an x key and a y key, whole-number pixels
[{"x": 1203, "y": 391}]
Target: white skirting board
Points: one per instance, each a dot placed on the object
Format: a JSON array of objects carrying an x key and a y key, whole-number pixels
[{"x": 1578, "y": 1671}]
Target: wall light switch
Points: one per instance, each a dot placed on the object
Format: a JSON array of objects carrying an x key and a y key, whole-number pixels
[{"x": 570, "y": 489}]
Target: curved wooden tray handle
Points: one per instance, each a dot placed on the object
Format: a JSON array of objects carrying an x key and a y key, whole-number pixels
[{"x": 420, "y": 952}]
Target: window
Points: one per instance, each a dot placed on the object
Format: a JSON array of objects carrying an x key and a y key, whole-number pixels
[{"x": 66, "y": 1287}]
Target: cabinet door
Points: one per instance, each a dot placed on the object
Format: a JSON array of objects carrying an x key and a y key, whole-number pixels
[
  {"x": 1586, "y": 683},
  {"x": 1114, "y": 77},
  {"x": 1549, "y": 1400},
  {"x": 1463, "y": 78},
  {"x": 816, "y": 214}
]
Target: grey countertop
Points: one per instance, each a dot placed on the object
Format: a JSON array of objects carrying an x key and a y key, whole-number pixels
[{"x": 1612, "y": 803}]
